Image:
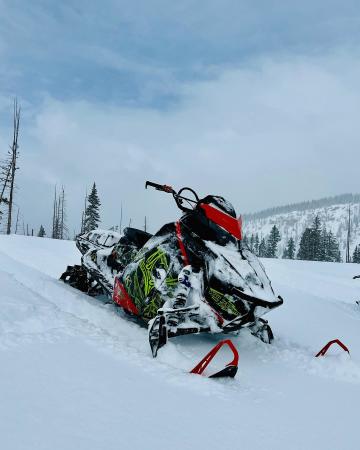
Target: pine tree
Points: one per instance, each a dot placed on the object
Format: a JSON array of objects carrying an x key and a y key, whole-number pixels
[
  {"x": 317, "y": 244},
  {"x": 256, "y": 244},
  {"x": 92, "y": 216},
  {"x": 304, "y": 251},
  {"x": 315, "y": 241},
  {"x": 245, "y": 242},
  {"x": 289, "y": 252},
  {"x": 311, "y": 242},
  {"x": 332, "y": 249},
  {"x": 252, "y": 242},
  {"x": 323, "y": 245},
  {"x": 273, "y": 242},
  {"x": 356, "y": 255},
  {"x": 41, "y": 232},
  {"x": 262, "y": 248}
]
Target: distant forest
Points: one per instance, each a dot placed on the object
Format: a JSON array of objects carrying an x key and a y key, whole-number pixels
[{"x": 303, "y": 206}]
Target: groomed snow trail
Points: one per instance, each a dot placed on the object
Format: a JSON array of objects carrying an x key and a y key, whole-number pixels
[{"x": 76, "y": 374}]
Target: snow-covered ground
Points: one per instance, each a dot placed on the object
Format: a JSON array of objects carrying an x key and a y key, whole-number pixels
[{"x": 75, "y": 374}]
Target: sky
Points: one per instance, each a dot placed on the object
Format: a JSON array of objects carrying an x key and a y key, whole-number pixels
[{"x": 257, "y": 101}]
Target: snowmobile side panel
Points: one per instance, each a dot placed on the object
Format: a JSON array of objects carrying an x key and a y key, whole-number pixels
[{"x": 122, "y": 298}]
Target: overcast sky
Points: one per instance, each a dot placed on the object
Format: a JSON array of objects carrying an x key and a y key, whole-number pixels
[{"x": 257, "y": 101}]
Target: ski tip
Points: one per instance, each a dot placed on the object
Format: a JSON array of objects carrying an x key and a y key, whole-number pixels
[{"x": 227, "y": 372}]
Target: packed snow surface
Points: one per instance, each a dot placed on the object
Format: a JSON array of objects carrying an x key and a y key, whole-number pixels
[{"x": 76, "y": 374}]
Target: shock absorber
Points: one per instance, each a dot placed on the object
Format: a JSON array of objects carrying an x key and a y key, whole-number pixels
[{"x": 183, "y": 288}]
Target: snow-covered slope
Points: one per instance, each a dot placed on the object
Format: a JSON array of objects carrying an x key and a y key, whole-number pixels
[
  {"x": 293, "y": 224},
  {"x": 75, "y": 374}
]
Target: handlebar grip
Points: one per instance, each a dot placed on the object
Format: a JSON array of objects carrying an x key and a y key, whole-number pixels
[{"x": 159, "y": 187}]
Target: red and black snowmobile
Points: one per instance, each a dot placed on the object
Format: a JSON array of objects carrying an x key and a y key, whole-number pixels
[{"x": 192, "y": 276}]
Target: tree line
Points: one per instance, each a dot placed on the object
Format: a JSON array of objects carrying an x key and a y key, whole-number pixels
[
  {"x": 264, "y": 247},
  {"x": 90, "y": 216},
  {"x": 316, "y": 244},
  {"x": 304, "y": 206}
]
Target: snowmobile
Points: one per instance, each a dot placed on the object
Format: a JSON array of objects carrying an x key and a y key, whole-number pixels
[{"x": 192, "y": 276}]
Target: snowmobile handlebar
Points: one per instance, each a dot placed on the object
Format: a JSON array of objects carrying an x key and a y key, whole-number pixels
[
  {"x": 179, "y": 199},
  {"x": 160, "y": 187}
]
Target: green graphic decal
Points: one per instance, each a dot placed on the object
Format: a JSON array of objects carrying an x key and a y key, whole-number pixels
[
  {"x": 150, "y": 310},
  {"x": 140, "y": 282},
  {"x": 225, "y": 302}
]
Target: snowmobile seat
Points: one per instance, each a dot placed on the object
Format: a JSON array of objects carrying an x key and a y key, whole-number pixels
[
  {"x": 124, "y": 251},
  {"x": 133, "y": 236}
]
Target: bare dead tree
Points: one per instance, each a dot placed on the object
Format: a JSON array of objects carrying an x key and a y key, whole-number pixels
[
  {"x": 59, "y": 228},
  {"x": 348, "y": 257},
  {"x": 121, "y": 218},
  {"x": 5, "y": 171},
  {"x": 62, "y": 215},
  {"x": 54, "y": 221},
  {"x": 82, "y": 222},
  {"x": 17, "y": 221},
  {"x": 14, "y": 154},
  {"x": 5, "y": 180},
  {"x": 83, "y": 214},
  {"x": 59, "y": 218}
]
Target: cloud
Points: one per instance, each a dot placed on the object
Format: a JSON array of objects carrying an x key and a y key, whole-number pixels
[
  {"x": 281, "y": 131},
  {"x": 255, "y": 101},
  {"x": 137, "y": 52}
]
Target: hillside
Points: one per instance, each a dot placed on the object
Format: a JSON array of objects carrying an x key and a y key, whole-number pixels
[
  {"x": 76, "y": 374},
  {"x": 293, "y": 219}
]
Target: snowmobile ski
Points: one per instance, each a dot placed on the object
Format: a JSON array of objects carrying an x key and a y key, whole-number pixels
[{"x": 230, "y": 370}]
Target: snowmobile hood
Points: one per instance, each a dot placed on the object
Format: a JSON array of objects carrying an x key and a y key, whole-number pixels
[
  {"x": 231, "y": 224},
  {"x": 242, "y": 270}
]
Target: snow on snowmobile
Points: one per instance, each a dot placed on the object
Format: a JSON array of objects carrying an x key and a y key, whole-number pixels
[{"x": 191, "y": 276}]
